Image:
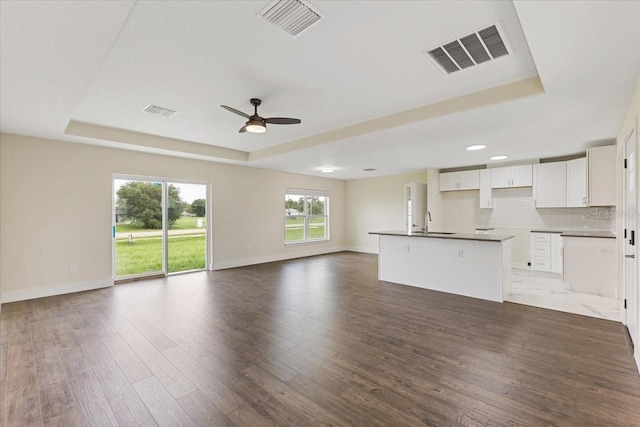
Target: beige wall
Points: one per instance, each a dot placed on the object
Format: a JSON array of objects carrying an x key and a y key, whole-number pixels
[
  {"x": 631, "y": 120},
  {"x": 55, "y": 210},
  {"x": 375, "y": 204}
]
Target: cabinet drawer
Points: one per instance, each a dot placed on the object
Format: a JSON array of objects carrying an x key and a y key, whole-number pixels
[
  {"x": 540, "y": 237},
  {"x": 540, "y": 263},
  {"x": 540, "y": 249}
]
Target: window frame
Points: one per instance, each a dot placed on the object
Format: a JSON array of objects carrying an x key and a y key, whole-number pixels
[{"x": 307, "y": 216}]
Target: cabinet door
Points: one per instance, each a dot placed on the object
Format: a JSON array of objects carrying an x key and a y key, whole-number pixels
[
  {"x": 577, "y": 183},
  {"x": 602, "y": 176},
  {"x": 550, "y": 185},
  {"x": 448, "y": 181},
  {"x": 468, "y": 180},
  {"x": 556, "y": 253},
  {"x": 522, "y": 176},
  {"x": 486, "y": 201},
  {"x": 500, "y": 177}
]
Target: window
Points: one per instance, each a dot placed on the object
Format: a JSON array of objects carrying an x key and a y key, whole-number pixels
[{"x": 306, "y": 216}]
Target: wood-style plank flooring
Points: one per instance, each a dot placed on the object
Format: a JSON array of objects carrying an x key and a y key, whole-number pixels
[{"x": 307, "y": 342}]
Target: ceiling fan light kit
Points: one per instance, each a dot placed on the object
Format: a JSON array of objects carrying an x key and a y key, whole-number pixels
[{"x": 257, "y": 124}]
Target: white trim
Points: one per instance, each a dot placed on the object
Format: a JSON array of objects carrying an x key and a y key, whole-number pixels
[
  {"x": 50, "y": 290},
  {"x": 272, "y": 258},
  {"x": 636, "y": 356}
]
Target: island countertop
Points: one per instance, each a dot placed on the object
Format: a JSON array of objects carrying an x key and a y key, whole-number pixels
[{"x": 436, "y": 235}]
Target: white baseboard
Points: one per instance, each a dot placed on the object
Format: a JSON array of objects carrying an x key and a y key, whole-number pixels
[
  {"x": 273, "y": 258},
  {"x": 362, "y": 249},
  {"x": 47, "y": 291}
]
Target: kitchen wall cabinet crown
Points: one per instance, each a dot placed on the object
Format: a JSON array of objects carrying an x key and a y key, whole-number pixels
[
  {"x": 457, "y": 181},
  {"x": 512, "y": 176}
]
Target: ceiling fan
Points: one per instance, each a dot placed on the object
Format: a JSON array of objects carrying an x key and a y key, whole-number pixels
[{"x": 257, "y": 124}]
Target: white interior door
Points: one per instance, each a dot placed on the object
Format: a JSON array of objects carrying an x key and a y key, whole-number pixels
[{"x": 630, "y": 239}]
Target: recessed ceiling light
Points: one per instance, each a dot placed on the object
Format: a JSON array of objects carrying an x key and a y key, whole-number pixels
[
  {"x": 476, "y": 147},
  {"x": 327, "y": 169},
  {"x": 499, "y": 157}
]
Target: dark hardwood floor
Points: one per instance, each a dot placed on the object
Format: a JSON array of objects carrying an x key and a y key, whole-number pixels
[{"x": 308, "y": 342}]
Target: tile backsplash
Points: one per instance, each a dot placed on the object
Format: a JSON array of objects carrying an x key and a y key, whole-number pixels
[{"x": 513, "y": 208}]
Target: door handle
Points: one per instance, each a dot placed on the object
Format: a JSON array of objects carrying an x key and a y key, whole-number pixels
[
  {"x": 630, "y": 256},
  {"x": 632, "y": 241}
]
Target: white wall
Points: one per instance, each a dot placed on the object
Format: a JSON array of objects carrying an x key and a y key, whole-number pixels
[
  {"x": 375, "y": 204},
  {"x": 630, "y": 120},
  {"x": 55, "y": 210}
]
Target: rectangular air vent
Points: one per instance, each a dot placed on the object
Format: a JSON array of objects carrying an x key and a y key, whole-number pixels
[
  {"x": 292, "y": 16},
  {"x": 470, "y": 50},
  {"x": 159, "y": 111}
]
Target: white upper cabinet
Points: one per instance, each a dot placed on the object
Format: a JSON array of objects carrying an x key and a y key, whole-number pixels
[
  {"x": 486, "y": 199},
  {"x": 577, "y": 183},
  {"x": 602, "y": 176},
  {"x": 550, "y": 185},
  {"x": 500, "y": 177},
  {"x": 464, "y": 180},
  {"x": 448, "y": 181},
  {"x": 512, "y": 176},
  {"x": 521, "y": 176},
  {"x": 469, "y": 180}
]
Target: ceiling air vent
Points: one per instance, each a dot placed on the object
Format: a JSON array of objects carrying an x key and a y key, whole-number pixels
[
  {"x": 292, "y": 16},
  {"x": 159, "y": 111},
  {"x": 470, "y": 50},
  {"x": 369, "y": 169}
]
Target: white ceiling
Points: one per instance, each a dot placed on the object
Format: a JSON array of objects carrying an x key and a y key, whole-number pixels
[{"x": 97, "y": 64}]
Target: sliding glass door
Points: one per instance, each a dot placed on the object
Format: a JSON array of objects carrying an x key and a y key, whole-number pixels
[
  {"x": 159, "y": 227},
  {"x": 138, "y": 228},
  {"x": 187, "y": 231}
]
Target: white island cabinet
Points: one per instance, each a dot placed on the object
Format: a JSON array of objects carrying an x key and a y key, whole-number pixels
[{"x": 472, "y": 265}]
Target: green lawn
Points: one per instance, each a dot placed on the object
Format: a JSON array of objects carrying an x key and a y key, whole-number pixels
[
  {"x": 294, "y": 229},
  {"x": 145, "y": 255},
  {"x": 183, "y": 223}
]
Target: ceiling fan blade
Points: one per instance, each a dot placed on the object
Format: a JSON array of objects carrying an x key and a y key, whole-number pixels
[
  {"x": 282, "y": 121},
  {"x": 243, "y": 129},
  {"x": 238, "y": 112}
]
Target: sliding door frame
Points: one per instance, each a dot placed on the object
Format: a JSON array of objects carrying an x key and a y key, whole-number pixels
[{"x": 165, "y": 230}]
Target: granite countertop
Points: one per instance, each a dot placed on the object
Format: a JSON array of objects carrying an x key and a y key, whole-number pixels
[
  {"x": 566, "y": 232},
  {"x": 436, "y": 235},
  {"x": 549, "y": 230},
  {"x": 582, "y": 233}
]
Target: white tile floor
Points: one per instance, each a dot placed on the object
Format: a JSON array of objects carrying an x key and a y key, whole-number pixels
[{"x": 549, "y": 291}]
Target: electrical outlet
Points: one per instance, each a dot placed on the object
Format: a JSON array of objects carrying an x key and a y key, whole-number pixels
[
  {"x": 460, "y": 253},
  {"x": 73, "y": 269}
]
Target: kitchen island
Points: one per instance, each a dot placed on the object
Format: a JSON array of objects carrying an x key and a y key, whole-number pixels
[{"x": 473, "y": 265}]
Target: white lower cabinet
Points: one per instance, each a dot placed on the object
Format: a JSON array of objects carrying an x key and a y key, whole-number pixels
[
  {"x": 546, "y": 252},
  {"x": 590, "y": 265}
]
